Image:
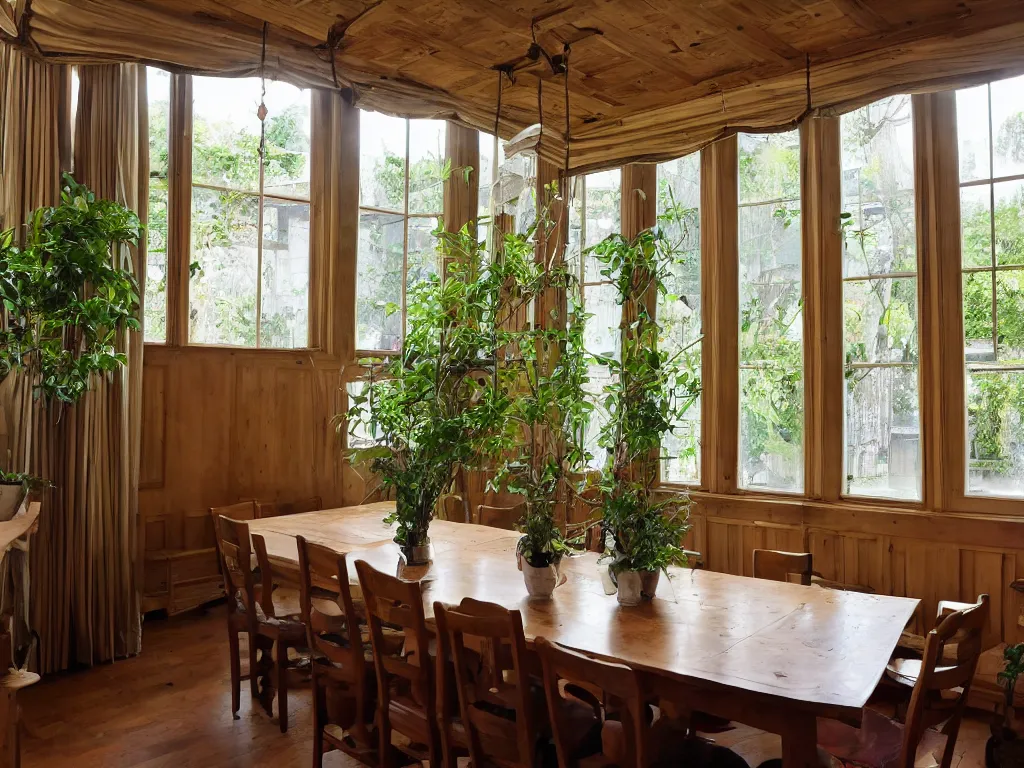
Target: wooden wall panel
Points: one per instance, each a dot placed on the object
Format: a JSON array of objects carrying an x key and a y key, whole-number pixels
[{"x": 223, "y": 425}]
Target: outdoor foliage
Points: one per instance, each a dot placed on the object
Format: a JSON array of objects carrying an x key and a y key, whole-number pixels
[
  {"x": 650, "y": 391},
  {"x": 65, "y": 297}
]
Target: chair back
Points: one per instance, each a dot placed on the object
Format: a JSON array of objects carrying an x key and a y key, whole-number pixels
[
  {"x": 265, "y": 509},
  {"x": 501, "y": 725},
  {"x": 500, "y": 517},
  {"x": 400, "y": 605},
  {"x": 332, "y": 623},
  {"x": 783, "y": 566},
  {"x": 943, "y": 686},
  {"x": 617, "y": 681},
  {"x": 243, "y": 510},
  {"x": 236, "y": 564}
]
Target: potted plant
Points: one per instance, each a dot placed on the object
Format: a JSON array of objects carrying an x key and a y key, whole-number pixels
[
  {"x": 66, "y": 295},
  {"x": 431, "y": 409},
  {"x": 1005, "y": 748},
  {"x": 650, "y": 392},
  {"x": 14, "y": 487},
  {"x": 540, "y": 373}
]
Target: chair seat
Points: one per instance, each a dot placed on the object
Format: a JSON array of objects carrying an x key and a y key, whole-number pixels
[
  {"x": 907, "y": 671},
  {"x": 876, "y": 744}
]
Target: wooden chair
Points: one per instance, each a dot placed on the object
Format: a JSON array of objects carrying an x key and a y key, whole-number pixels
[
  {"x": 501, "y": 721},
  {"x": 406, "y": 694},
  {"x": 905, "y": 668},
  {"x": 451, "y": 508},
  {"x": 251, "y": 610},
  {"x": 783, "y": 566},
  {"x": 939, "y": 697},
  {"x": 265, "y": 509},
  {"x": 505, "y": 518},
  {"x": 619, "y": 683},
  {"x": 342, "y": 662}
]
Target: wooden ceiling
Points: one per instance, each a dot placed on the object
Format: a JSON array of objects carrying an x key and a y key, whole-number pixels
[{"x": 628, "y": 59}]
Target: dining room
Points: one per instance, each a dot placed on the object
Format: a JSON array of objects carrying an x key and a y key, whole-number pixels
[{"x": 587, "y": 383}]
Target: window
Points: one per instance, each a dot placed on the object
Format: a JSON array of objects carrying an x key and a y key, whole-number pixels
[
  {"x": 595, "y": 213},
  {"x": 770, "y": 344},
  {"x": 158, "y": 86},
  {"x": 990, "y": 129},
  {"x": 401, "y": 199},
  {"x": 679, "y": 313},
  {"x": 249, "y": 282},
  {"x": 883, "y": 422}
]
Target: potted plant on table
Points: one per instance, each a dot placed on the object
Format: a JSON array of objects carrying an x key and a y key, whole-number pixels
[
  {"x": 540, "y": 373},
  {"x": 1005, "y": 748},
  {"x": 650, "y": 391},
  {"x": 432, "y": 409}
]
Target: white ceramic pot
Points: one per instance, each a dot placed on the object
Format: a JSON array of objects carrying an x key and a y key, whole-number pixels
[
  {"x": 11, "y": 495},
  {"x": 540, "y": 582},
  {"x": 630, "y": 587},
  {"x": 649, "y": 583}
]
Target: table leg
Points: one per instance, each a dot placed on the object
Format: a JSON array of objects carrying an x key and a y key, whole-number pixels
[{"x": 800, "y": 742}]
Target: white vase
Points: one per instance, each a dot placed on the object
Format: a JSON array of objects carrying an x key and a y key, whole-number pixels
[
  {"x": 11, "y": 495},
  {"x": 540, "y": 582},
  {"x": 630, "y": 587}
]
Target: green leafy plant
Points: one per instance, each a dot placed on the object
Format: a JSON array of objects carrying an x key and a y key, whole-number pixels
[
  {"x": 29, "y": 483},
  {"x": 1013, "y": 655},
  {"x": 66, "y": 298},
  {"x": 540, "y": 375},
  {"x": 433, "y": 408},
  {"x": 650, "y": 392}
]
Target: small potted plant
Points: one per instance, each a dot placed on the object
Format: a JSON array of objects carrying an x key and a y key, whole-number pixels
[
  {"x": 540, "y": 375},
  {"x": 14, "y": 487},
  {"x": 431, "y": 409},
  {"x": 650, "y": 390}
]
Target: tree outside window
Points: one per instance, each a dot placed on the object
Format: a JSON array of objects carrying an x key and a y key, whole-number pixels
[
  {"x": 249, "y": 274},
  {"x": 401, "y": 199},
  {"x": 883, "y": 421},
  {"x": 771, "y": 313},
  {"x": 990, "y": 130}
]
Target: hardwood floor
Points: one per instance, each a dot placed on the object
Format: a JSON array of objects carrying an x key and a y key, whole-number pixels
[{"x": 171, "y": 708}]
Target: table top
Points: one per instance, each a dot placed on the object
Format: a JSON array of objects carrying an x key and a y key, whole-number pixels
[{"x": 823, "y": 650}]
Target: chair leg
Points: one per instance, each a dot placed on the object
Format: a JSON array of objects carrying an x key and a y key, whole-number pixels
[
  {"x": 384, "y": 758},
  {"x": 254, "y": 666},
  {"x": 281, "y": 678},
  {"x": 236, "y": 671}
]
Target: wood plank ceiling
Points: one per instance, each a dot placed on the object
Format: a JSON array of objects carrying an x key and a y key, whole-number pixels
[{"x": 437, "y": 58}]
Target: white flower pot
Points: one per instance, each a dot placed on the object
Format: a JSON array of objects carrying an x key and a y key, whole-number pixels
[
  {"x": 10, "y": 499},
  {"x": 630, "y": 587},
  {"x": 649, "y": 583},
  {"x": 540, "y": 582}
]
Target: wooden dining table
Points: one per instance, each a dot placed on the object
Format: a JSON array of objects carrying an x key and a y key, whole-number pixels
[{"x": 775, "y": 656}]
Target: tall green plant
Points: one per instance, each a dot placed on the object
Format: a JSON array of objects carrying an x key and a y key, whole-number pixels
[
  {"x": 433, "y": 407},
  {"x": 650, "y": 391},
  {"x": 66, "y": 294},
  {"x": 541, "y": 373}
]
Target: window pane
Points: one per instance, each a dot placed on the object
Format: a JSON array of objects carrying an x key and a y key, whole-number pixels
[
  {"x": 158, "y": 85},
  {"x": 379, "y": 282},
  {"x": 976, "y": 226},
  {"x": 600, "y": 337},
  {"x": 1009, "y": 222},
  {"x": 603, "y": 214},
  {"x": 883, "y": 432},
  {"x": 881, "y": 320},
  {"x": 995, "y": 404},
  {"x": 771, "y": 346},
  {"x": 977, "y": 297},
  {"x": 679, "y": 312},
  {"x": 222, "y": 290},
  {"x": 286, "y": 170},
  {"x": 1010, "y": 315},
  {"x": 426, "y": 166},
  {"x": 226, "y": 132},
  {"x": 878, "y": 188},
  {"x": 972, "y": 130},
  {"x": 382, "y": 161},
  {"x": 285, "y": 290},
  {"x": 423, "y": 257},
  {"x": 1008, "y": 127}
]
